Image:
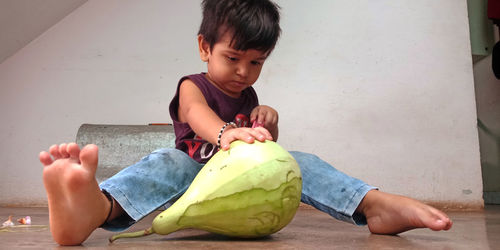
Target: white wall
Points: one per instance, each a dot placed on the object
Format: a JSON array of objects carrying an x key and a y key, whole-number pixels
[
  {"x": 382, "y": 89},
  {"x": 21, "y": 21}
]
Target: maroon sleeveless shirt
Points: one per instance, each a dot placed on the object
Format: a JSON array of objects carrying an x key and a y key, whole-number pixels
[{"x": 228, "y": 109}]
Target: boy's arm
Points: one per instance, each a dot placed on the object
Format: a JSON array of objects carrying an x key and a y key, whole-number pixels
[{"x": 194, "y": 110}]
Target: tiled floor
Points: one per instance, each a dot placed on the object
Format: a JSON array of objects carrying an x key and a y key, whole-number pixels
[{"x": 310, "y": 229}]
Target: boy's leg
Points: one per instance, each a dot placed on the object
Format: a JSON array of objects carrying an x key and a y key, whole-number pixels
[
  {"x": 349, "y": 199},
  {"x": 330, "y": 190},
  {"x": 76, "y": 204},
  {"x": 142, "y": 188}
]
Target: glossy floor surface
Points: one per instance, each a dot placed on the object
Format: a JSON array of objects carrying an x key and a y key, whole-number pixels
[{"x": 310, "y": 229}]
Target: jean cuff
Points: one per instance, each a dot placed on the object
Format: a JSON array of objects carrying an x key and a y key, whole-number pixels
[
  {"x": 353, "y": 216},
  {"x": 125, "y": 221}
]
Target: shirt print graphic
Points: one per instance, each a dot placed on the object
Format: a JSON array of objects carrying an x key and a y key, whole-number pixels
[{"x": 204, "y": 149}]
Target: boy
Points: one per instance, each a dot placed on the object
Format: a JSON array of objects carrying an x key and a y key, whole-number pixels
[{"x": 210, "y": 110}]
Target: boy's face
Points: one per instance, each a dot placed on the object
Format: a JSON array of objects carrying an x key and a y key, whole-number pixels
[{"x": 231, "y": 70}]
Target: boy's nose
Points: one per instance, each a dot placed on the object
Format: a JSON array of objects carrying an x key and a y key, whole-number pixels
[{"x": 242, "y": 71}]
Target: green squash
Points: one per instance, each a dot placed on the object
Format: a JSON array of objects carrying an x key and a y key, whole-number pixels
[{"x": 248, "y": 191}]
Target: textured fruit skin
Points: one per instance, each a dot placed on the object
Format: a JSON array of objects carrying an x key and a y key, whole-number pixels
[{"x": 249, "y": 191}]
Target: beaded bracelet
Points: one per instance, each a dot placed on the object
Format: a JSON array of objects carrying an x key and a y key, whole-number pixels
[{"x": 222, "y": 131}]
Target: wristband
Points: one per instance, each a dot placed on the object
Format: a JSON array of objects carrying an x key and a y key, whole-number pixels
[
  {"x": 232, "y": 124},
  {"x": 110, "y": 199}
]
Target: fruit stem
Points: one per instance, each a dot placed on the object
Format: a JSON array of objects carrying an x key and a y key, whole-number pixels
[{"x": 132, "y": 234}]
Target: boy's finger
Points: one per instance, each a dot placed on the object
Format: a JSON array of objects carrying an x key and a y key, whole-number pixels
[
  {"x": 254, "y": 115},
  {"x": 257, "y": 124},
  {"x": 262, "y": 134},
  {"x": 229, "y": 137},
  {"x": 248, "y": 137}
]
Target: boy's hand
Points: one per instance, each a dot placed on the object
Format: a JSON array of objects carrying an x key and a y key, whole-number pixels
[
  {"x": 266, "y": 117},
  {"x": 248, "y": 135}
]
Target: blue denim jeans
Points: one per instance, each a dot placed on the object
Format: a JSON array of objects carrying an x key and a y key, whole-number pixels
[{"x": 164, "y": 175}]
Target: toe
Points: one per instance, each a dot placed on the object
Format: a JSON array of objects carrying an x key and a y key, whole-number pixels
[
  {"x": 443, "y": 222},
  {"x": 54, "y": 151},
  {"x": 448, "y": 223},
  {"x": 434, "y": 219},
  {"x": 63, "y": 150},
  {"x": 88, "y": 157},
  {"x": 45, "y": 158},
  {"x": 74, "y": 151}
]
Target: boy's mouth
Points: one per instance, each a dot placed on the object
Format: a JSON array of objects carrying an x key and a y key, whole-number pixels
[{"x": 239, "y": 84}]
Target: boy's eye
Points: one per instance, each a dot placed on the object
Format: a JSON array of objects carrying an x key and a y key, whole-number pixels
[
  {"x": 232, "y": 58},
  {"x": 256, "y": 63}
]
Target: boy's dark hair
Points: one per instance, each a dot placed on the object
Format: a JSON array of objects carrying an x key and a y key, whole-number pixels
[{"x": 253, "y": 23}]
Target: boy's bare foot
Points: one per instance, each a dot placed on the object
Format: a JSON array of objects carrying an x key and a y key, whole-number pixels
[
  {"x": 76, "y": 204},
  {"x": 392, "y": 214}
]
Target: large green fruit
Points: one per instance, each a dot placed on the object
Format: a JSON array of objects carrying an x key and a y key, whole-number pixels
[{"x": 250, "y": 190}]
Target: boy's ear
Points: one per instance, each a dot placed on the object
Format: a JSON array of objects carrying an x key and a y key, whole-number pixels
[{"x": 204, "y": 48}]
